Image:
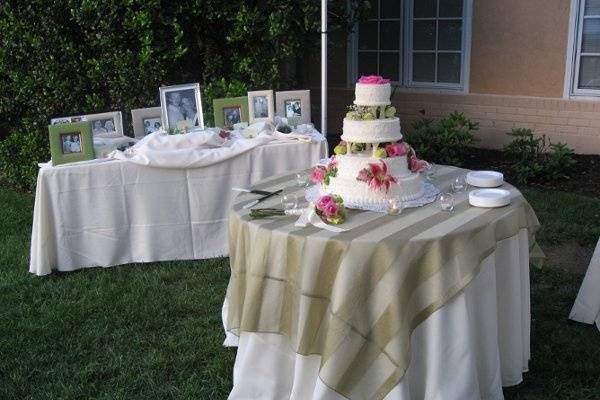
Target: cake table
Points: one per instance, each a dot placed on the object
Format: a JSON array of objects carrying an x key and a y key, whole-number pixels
[{"x": 427, "y": 304}]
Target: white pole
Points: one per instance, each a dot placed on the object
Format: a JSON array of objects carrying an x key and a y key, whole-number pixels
[{"x": 324, "y": 67}]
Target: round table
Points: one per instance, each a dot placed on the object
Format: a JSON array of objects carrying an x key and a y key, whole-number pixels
[{"x": 318, "y": 314}]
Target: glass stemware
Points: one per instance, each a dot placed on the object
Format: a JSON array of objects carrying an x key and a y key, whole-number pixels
[
  {"x": 302, "y": 179},
  {"x": 446, "y": 202},
  {"x": 394, "y": 206},
  {"x": 459, "y": 184},
  {"x": 289, "y": 201}
]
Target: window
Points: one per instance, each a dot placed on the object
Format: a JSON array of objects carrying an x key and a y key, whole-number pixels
[
  {"x": 415, "y": 43},
  {"x": 586, "y": 60}
]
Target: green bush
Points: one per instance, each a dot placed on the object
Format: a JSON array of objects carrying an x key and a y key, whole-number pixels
[
  {"x": 444, "y": 142},
  {"x": 536, "y": 157},
  {"x": 68, "y": 57},
  {"x": 20, "y": 153}
]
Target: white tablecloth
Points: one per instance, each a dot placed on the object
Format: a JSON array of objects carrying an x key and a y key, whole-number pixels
[
  {"x": 117, "y": 212},
  {"x": 587, "y": 305},
  {"x": 468, "y": 349}
]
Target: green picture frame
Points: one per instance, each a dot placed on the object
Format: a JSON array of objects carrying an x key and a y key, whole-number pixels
[
  {"x": 229, "y": 111},
  {"x": 71, "y": 142}
]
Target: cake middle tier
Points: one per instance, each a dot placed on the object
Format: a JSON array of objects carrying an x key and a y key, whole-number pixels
[
  {"x": 372, "y": 131},
  {"x": 349, "y": 165}
]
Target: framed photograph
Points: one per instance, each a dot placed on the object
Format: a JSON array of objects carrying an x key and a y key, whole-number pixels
[
  {"x": 108, "y": 124},
  {"x": 71, "y": 142},
  {"x": 181, "y": 106},
  {"x": 261, "y": 106},
  {"x": 146, "y": 121},
  {"x": 230, "y": 111},
  {"x": 294, "y": 103}
]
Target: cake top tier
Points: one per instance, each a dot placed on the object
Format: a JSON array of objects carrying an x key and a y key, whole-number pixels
[{"x": 372, "y": 90}]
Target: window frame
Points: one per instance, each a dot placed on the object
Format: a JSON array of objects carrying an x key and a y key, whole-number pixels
[
  {"x": 574, "y": 56},
  {"x": 405, "y": 52}
]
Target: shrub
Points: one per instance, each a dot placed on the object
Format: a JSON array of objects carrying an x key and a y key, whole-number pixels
[
  {"x": 536, "y": 157},
  {"x": 68, "y": 57},
  {"x": 446, "y": 141},
  {"x": 20, "y": 153}
]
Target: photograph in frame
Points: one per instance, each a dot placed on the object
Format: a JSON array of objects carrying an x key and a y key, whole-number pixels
[
  {"x": 294, "y": 104},
  {"x": 146, "y": 121},
  {"x": 230, "y": 111},
  {"x": 71, "y": 142},
  {"x": 181, "y": 107},
  {"x": 108, "y": 124},
  {"x": 261, "y": 106}
]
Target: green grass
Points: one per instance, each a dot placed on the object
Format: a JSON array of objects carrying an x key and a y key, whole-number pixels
[{"x": 154, "y": 331}]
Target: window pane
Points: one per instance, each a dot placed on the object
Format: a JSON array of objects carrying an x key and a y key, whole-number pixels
[
  {"x": 592, "y": 7},
  {"x": 389, "y": 35},
  {"x": 390, "y": 8},
  {"x": 590, "y": 42},
  {"x": 450, "y": 35},
  {"x": 449, "y": 67},
  {"x": 367, "y": 63},
  {"x": 424, "y": 67},
  {"x": 425, "y": 8},
  {"x": 589, "y": 73},
  {"x": 372, "y": 12},
  {"x": 424, "y": 35},
  {"x": 451, "y": 8},
  {"x": 389, "y": 66},
  {"x": 367, "y": 35}
]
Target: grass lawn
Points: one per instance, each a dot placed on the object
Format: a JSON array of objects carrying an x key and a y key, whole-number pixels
[{"x": 154, "y": 331}]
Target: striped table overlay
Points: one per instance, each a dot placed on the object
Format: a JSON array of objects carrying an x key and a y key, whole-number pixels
[{"x": 355, "y": 297}]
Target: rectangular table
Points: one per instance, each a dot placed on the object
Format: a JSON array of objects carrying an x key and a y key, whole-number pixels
[{"x": 118, "y": 212}]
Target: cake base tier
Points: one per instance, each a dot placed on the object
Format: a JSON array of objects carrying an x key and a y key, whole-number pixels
[{"x": 352, "y": 190}]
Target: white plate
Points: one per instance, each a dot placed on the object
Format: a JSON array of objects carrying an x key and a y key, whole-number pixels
[
  {"x": 485, "y": 179},
  {"x": 489, "y": 198}
]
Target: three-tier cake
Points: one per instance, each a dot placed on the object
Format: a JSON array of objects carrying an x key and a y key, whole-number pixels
[{"x": 372, "y": 163}]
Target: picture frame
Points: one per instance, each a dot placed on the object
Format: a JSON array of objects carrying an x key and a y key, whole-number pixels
[
  {"x": 181, "y": 106},
  {"x": 107, "y": 124},
  {"x": 294, "y": 103},
  {"x": 71, "y": 142},
  {"x": 145, "y": 121},
  {"x": 230, "y": 111},
  {"x": 261, "y": 106}
]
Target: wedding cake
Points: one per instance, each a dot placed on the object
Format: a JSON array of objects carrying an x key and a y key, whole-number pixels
[{"x": 372, "y": 163}]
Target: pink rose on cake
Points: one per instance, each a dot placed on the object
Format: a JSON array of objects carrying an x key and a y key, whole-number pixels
[
  {"x": 324, "y": 201},
  {"x": 317, "y": 175},
  {"x": 396, "y": 149},
  {"x": 322, "y": 174},
  {"x": 416, "y": 165},
  {"x": 331, "y": 209},
  {"x": 373, "y": 80}
]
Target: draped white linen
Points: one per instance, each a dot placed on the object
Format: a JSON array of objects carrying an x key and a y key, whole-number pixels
[
  {"x": 587, "y": 304},
  {"x": 117, "y": 212},
  {"x": 468, "y": 349}
]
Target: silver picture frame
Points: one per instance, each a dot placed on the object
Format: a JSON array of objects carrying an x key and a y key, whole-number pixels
[
  {"x": 294, "y": 103},
  {"x": 145, "y": 119},
  {"x": 107, "y": 124},
  {"x": 181, "y": 106}
]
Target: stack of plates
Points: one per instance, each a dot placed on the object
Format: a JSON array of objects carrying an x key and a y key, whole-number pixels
[
  {"x": 487, "y": 197},
  {"x": 485, "y": 179}
]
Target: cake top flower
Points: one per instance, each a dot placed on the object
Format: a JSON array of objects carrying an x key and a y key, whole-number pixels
[{"x": 373, "y": 80}]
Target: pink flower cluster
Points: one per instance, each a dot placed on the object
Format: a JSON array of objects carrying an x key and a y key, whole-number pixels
[
  {"x": 373, "y": 80},
  {"x": 322, "y": 174},
  {"x": 377, "y": 176},
  {"x": 327, "y": 204},
  {"x": 415, "y": 164},
  {"x": 396, "y": 149}
]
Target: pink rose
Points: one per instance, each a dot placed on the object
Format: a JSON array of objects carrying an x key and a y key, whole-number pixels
[
  {"x": 324, "y": 201},
  {"x": 396, "y": 149},
  {"x": 331, "y": 210},
  {"x": 416, "y": 165},
  {"x": 317, "y": 175},
  {"x": 373, "y": 80}
]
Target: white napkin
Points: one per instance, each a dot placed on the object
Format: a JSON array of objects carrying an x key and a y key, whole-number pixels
[{"x": 309, "y": 216}]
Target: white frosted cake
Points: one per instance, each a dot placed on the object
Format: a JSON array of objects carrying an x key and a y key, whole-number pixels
[{"x": 372, "y": 163}]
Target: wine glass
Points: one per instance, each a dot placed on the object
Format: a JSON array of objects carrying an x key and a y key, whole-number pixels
[
  {"x": 289, "y": 201},
  {"x": 302, "y": 179},
  {"x": 459, "y": 184},
  {"x": 446, "y": 201},
  {"x": 394, "y": 206}
]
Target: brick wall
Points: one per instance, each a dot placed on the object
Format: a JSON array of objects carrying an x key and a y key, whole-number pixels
[{"x": 576, "y": 122}]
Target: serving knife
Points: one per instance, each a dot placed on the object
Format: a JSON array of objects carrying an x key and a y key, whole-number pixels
[
  {"x": 263, "y": 192},
  {"x": 255, "y": 202}
]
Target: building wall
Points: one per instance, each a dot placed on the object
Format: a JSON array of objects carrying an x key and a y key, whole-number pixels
[
  {"x": 519, "y": 47},
  {"x": 574, "y": 122}
]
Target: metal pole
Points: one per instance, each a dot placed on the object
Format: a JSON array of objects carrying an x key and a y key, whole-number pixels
[{"x": 324, "y": 67}]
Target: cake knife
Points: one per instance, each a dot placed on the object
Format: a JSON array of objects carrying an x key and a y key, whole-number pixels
[
  {"x": 255, "y": 202},
  {"x": 263, "y": 192}
]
